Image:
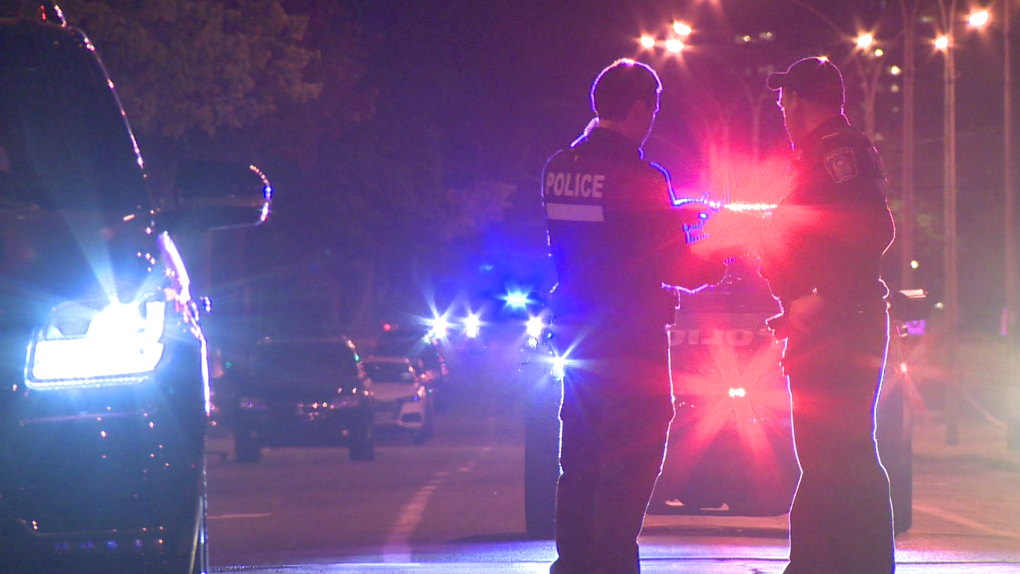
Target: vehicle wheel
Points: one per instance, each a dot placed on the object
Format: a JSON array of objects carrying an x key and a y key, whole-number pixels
[
  {"x": 768, "y": 490},
  {"x": 541, "y": 460},
  {"x": 895, "y": 446},
  {"x": 901, "y": 485},
  {"x": 193, "y": 557},
  {"x": 758, "y": 501},
  {"x": 246, "y": 448},
  {"x": 200, "y": 556},
  {"x": 425, "y": 433},
  {"x": 363, "y": 445},
  {"x": 15, "y": 558}
]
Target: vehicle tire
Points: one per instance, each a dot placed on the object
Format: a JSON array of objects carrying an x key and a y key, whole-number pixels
[
  {"x": 200, "y": 555},
  {"x": 901, "y": 486},
  {"x": 424, "y": 434},
  {"x": 193, "y": 550},
  {"x": 541, "y": 459},
  {"x": 246, "y": 448},
  {"x": 761, "y": 500},
  {"x": 363, "y": 445},
  {"x": 15, "y": 558},
  {"x": 895, "y": 446}
]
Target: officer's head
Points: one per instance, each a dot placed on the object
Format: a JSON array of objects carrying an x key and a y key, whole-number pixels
[
  {"x": 625, "y": 97},
  {"x": 810, "y": 91}
]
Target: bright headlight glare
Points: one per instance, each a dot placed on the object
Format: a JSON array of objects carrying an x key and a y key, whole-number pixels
[
  {"x": 472, "y": 326},
  {"x": 534, "y": 327},
  {"x": 81, "y": 345}
]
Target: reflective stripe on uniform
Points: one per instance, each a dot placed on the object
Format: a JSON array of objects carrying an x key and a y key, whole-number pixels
[{"x": 574, "y": 212}]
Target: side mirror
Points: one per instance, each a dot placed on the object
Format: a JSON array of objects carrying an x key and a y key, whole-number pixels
[
  {"x": 217, "y": 195},
  {"x": 910, "y": 305}
]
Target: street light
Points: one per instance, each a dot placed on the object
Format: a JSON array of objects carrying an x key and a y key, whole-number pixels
[
  {"x": 675, "y": 41},
  {"x": 682, "y": 28},
  {"x": 978, "y": 18},
  {"x": 674, "y": 45},
  {"x": 946, "y": 44}
]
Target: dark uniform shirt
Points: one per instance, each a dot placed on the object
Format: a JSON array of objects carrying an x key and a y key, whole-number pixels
[
  {"x": 831, "y": 230},
  {"x": 615, "y": 238}
]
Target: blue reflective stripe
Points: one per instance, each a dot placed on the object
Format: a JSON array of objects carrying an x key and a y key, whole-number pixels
[{"x": 574, "y": 212}]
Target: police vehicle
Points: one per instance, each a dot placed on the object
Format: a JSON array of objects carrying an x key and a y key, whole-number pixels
[
  {"x": 730, "y": 447},
  {"x": 104, "y": 393}
]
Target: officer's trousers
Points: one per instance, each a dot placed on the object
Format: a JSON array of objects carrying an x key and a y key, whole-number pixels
[
  {"x": 841, "y": 520},
  {"x": 611, "y": 452}
]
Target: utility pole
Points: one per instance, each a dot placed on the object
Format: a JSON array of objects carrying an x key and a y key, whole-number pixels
[
  {"x": 1009, "y": 191},
  {"x": 906, "y": 232}
]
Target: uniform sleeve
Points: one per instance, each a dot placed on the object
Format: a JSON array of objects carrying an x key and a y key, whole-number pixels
[
  {"x": 836, "y": 228},
  {"x": 669, "y": 254}
]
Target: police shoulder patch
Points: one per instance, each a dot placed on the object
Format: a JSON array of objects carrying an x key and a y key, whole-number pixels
[{"x": 841, "y": 164}]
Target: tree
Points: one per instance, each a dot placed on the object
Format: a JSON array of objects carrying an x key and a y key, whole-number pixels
[
  {"x": 281, "y": 83},
  {"x": 203, "y": 65}
]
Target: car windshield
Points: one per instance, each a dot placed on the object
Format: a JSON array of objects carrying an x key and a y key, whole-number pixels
[
  {"x": 63, "y": 140},
  {"x": 381, "y": 372},
  {"x": 410, "y": 344},
  {"x": 285, "y": 359}
]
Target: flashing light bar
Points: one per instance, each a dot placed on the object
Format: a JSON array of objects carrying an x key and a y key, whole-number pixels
[{"x": 517, "y": 299}]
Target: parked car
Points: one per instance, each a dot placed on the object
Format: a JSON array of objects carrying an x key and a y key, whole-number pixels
[
  {"x": 419, "y": 345},
  {"x": 402, "y": 399},
  {"x": 304, "y": 392},
  {"x": 103, "y": 419}
]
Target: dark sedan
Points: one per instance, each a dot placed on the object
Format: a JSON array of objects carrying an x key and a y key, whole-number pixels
[{"x": 304, "y": 392}]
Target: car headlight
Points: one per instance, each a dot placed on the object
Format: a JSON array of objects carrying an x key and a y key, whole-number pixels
[
  {"x": 534, "y": 327},
  {"x": 84, "y": 345}
]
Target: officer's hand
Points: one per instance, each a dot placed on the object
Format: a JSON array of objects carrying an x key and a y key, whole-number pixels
[{"x": 694, "y": 213}]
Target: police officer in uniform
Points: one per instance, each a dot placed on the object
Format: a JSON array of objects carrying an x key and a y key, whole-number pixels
[
  {"x": 615, "y": 239},
  {"x": 823, "y": 264}
]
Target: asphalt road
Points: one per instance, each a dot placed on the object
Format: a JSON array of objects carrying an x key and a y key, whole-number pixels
[{"x": 455, "y": 504}]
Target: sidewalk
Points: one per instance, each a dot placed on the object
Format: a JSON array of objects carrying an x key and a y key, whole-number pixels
[{"x": 980, "y": 440}]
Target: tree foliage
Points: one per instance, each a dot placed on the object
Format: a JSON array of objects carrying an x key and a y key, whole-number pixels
[
  {"x": 200, "y": 64},
  {"x": 282, "y": 83}
]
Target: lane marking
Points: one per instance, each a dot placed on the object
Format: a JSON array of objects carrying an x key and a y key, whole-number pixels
[
  {"x": 963, "y": 521},
  {"x": 398, "y": 544},
  {"x": 239, "y": 516}
]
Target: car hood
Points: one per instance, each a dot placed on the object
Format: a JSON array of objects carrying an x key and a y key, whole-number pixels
[
  {"x": 297, "y": 387},
  {"x": 393, "y": 391}
]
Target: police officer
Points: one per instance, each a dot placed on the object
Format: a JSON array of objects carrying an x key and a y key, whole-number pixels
[
  {"x": 615, "y": 238},
  {"x": 823, "y": 264}
]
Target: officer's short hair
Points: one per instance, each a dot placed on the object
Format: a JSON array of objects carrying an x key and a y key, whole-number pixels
[
  {"x": 816, "y": 79},
  {"x": 622, "y": 84}
]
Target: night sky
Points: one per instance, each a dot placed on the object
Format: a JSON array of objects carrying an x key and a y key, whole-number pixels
[{"x": 506, "y": 84}]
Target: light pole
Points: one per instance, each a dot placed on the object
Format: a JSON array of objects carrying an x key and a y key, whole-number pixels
[
  {"x": 946, "y": 43},
  {"x": 1008, "y": 187},
  {"x": 1009, "y": 192},
  {"x": 906, "y": 233}
]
